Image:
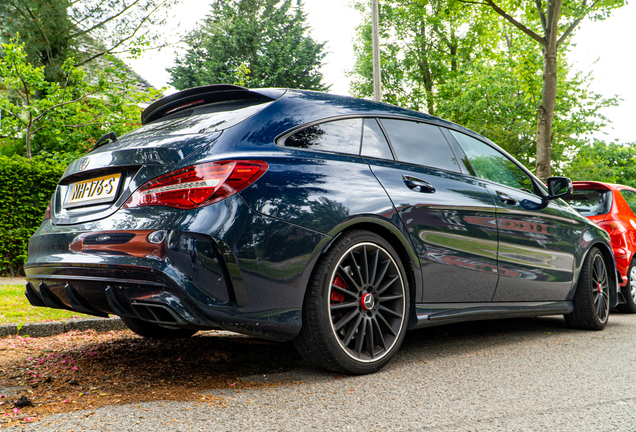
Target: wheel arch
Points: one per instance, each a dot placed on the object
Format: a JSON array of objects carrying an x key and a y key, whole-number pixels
[
  {"x": 402, "y": 245},
  {"x": 612, "y": 272}
]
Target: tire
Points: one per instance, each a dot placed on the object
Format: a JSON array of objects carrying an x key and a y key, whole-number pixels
[
  {"x": 592, "y": 297},
  {"x": 155, "y": 331},
  {"x": 356, "y": 306},
  {"x": 629, "y": 292}
]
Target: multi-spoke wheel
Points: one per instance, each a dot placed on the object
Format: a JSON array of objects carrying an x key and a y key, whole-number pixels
[
  {"x": 629, "y": 291},
  {"x": 356, "y": 306},
  {"x": 592, "y": 297}
]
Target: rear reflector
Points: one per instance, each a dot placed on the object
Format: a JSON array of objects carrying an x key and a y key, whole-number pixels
[{"x": 198, "y": 185}]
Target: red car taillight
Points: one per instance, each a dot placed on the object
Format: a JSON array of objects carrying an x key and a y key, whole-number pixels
[
  {"x": 198, "y": 185},
  {"x": 613, "y": 227},
  {"x": 616, "y": 229}
]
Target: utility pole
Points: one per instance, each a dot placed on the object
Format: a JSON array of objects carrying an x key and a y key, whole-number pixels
[{"x": 375, "y": 27}]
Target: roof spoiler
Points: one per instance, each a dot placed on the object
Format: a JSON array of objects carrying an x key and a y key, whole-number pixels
[
  {"x": 205, "y": 95},
  {"x": 591, "y": 184}
]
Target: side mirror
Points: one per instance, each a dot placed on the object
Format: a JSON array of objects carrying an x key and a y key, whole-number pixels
[{"x": 559, "y": 187}]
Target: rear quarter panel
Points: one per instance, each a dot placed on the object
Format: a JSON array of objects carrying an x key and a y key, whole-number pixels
[{"x": 591, "y": 235}]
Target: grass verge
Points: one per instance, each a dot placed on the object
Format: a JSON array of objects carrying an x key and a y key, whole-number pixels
[{"x": 15, "y": 308}]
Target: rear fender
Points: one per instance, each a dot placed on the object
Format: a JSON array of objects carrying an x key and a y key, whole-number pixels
[{"x": 611, "y": 271}]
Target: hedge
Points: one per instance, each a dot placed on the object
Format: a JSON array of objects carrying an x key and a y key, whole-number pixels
[{"x": 26, "y": 186}]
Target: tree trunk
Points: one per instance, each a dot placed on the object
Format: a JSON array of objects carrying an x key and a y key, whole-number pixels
[
  {"x": 10, "y": 265},
  {"x": 453, "y": 51},
  {"x": 427, "y": 78},
  {"x": 545, "y": 117},
  {"x": 28, "y": 138},
  {"x": 545, "y": 113}
]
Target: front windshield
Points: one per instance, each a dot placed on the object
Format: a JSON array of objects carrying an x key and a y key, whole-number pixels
[{"x": 591, "y": 202}]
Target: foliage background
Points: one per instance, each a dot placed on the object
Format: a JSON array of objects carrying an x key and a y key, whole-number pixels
[
  {"x": 72, "y": 116},
  {"x": 26, "y": 186},
  {"x": 263, "y": 43}
]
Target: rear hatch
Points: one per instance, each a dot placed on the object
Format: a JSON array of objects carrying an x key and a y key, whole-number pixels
[
  {"x": 591, "y": 200},
  {"x": 175, "y": 130}
]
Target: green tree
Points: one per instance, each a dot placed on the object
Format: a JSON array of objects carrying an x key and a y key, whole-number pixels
[
  {"x": 549, "y": 24},
  {"x": 86, "y": 30},
  {"x": 499, "y": 98},
  {"x": 260, "y": 43},
  {"x": 424, "y": 43},
  {"x": 46, "y": 40},
  {"x": 73, "y": 114},
  {"x": 611, "y": 163}
]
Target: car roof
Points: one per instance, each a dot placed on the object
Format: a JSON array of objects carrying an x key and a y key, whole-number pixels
[{"x": 300, "y": 106}]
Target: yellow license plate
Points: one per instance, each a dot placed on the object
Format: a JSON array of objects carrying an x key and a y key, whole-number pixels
[{"x": 94, "y": 191}]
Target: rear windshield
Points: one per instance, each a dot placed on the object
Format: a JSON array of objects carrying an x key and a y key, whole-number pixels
[
  {"x": 203, "y": 119},
  {"x": 591, "y": 202}
]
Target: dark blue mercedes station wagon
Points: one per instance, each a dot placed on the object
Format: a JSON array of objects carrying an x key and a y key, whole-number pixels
[{"x": 335, "y": 222}]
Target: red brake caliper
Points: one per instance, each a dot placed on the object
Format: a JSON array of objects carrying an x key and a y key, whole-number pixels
[{"x": 337, "y": 297}]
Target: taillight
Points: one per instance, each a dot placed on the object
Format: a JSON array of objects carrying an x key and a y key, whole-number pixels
[
  {"x": 616, "y": 230},
  {"x": 47, "y": 212},
  {"x": 198, "y": 185},
  {"x": 613, "y": 227}
]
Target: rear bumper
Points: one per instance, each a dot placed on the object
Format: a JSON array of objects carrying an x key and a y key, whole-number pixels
[
  {"x": 247, "y": 276},
  {"x": 622, "y": 266},
  {"x": 149, "y": 295}
]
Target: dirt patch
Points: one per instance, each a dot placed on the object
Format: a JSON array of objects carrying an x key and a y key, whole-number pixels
[{"x": 85, "y": 370}]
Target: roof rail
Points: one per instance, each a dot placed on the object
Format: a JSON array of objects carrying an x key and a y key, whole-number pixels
[{"x": 204, "y": 95}]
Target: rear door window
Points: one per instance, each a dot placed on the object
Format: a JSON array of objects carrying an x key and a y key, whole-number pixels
[
  {"x": 630, "y": 197},
  {"x": 340, "y": 136},
  {"x": 420, "y": 143},
  {"x": 590, "y": 202}
]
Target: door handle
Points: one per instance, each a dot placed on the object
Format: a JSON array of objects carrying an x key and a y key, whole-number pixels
[
  {"x": 418, "y": 185},
  {"x": 507, "y": 199}
]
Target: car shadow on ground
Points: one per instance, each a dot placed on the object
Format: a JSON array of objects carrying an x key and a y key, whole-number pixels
[
  {"x": 453, "y": 339},
  {"x": 83, "y": 370}
]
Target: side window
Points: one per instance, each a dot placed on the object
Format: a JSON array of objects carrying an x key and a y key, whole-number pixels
[
  {"x": 341, "y": 136},
  {"x": 420, "y": 143},
  {"x": 492, "y": 165},
  {"x": 374, "y": 143},
  {"x": 630, "y": 197}
]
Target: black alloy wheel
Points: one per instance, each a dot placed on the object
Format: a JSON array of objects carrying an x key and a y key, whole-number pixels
[
  {"x": 592, "y": 297},
  {"x": 356, "y": 306},
  {"x": 629, "y": 291}
]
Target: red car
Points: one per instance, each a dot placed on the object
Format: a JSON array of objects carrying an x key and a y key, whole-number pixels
[{"x": 613, "y": 208}]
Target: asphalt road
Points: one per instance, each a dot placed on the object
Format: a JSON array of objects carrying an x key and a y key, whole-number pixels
[{"x": 517, "y": 375}]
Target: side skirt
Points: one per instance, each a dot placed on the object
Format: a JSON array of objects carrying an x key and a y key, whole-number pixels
[{"x": 433, "y": 314}]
